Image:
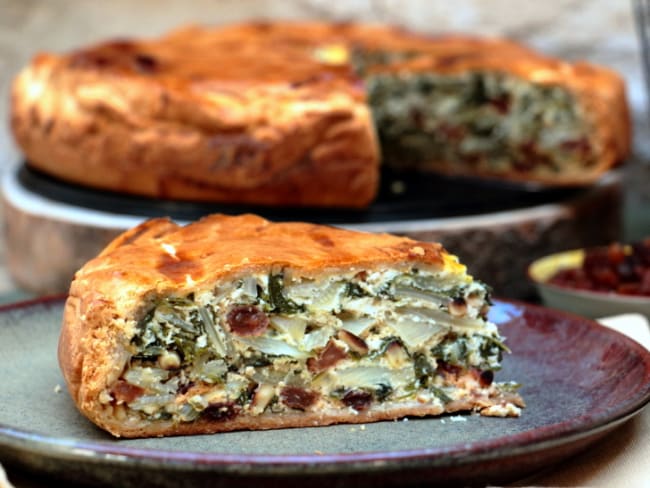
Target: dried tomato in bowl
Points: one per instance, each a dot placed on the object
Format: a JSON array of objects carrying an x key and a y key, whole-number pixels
[{"x": 619, "y": 268}]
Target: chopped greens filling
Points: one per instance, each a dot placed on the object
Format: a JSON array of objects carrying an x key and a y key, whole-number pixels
[
  {"x": 491, "y": 120},
  {"x": 265, "y": 344}
]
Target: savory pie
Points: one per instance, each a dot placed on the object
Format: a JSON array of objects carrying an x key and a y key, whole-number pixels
[
  {"x": 281, "y": 113},
  {"x": 239, "y": 323}
]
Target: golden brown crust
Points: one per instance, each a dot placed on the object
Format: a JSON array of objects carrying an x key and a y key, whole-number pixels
[
  {"x": 148, "y": 118},
  {"x": 222, "y": 115},
  {"x": 161, "y": 257}
]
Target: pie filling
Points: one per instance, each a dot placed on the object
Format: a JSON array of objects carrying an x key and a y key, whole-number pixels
[
  {"x": 491, "y": 121},
  {"x": 271, "y": 344}
]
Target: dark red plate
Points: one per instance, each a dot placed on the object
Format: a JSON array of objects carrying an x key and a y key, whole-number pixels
[{"x": 580, "y": 380}]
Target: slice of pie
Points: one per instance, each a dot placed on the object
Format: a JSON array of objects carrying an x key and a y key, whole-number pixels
[{"x": 239, "y": 323}]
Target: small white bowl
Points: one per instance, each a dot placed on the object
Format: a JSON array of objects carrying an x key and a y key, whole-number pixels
[{"x": 592, "y": 304}]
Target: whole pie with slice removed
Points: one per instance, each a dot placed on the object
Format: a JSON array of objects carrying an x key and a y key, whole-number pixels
[{"x": 304, "y": 113}]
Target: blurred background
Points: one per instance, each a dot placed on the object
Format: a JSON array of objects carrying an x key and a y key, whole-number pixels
[{"x": 600, "y": 31}]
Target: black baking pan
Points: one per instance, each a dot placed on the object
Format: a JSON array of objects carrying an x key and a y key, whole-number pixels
[{"x": 402, "y": 196}]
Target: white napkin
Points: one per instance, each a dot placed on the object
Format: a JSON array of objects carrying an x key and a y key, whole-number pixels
[
  {"x": 633, "y": 325},
  {"x": 4, "y": 483}
]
